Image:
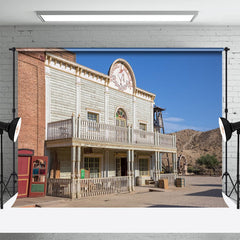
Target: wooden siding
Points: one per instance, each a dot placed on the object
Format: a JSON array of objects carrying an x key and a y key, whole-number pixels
[
  {"x": 68, "y": 91},
  {"x": 92, "y": 97},
  {"x": 122, "y": 100},
  {"x": 62, "y": 95},
  {"x": 144, "y": 113}
]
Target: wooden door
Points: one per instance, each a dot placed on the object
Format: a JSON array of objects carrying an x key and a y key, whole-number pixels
[
  {"x": 24, "y": 160},
  {"x": 123, "y": 166}
]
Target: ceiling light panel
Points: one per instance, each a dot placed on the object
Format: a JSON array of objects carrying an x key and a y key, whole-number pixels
[{"x": 118, "y": 16}]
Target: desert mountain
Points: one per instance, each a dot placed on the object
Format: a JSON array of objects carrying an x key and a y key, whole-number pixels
[{"x": 194, "y": 144}]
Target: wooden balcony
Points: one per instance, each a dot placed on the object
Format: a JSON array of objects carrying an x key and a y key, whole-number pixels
[{"x": 106, "y": 133}]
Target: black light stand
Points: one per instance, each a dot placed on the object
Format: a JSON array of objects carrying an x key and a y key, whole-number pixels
[
  {"x": 226, "y": 174},
  {"x": 237, "y": 182},
  {"x": 13, "y": 175},
  {"x": 226, "y": 129},
  {"x": 2, "y": 184},
  {"x": 236, "y": 185},
  {"x": 13, "y": 129}
]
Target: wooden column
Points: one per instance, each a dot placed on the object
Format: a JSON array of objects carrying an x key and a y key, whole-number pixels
[
  {"x": 73, "y": 125},
  {"x": 102, "y": 167},
  {"x": 129, "y": 169},
  {"x": 78, "y": 171},
  {"x": 133, "y": 170},
  {"x": 174, "y": 158},
  {"x": 73, "y": 168},
  {"x": 106, "y": 163},
  {"x": 155, "y": 166},
  {"x": 79, "y": 126},
  {"x": 160, "y": 162}
]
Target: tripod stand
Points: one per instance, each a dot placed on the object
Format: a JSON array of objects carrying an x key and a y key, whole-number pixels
[
  {"x": 3, "y": 185},
  {"x": 236, "y": 185}
]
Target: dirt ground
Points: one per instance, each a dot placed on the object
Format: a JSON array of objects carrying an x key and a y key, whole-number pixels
[{"x": 200, "y": 191}]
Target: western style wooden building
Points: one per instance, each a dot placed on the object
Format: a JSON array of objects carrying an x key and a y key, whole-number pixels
[{"x": 93, "y": 121}]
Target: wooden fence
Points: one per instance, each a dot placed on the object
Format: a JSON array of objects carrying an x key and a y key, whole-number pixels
[
  {"x": 170, "y": 176},
  {"x": 88, "y": 187},
  {"x": 59, "y": 187},
  {"x": 103, "y": 186}
]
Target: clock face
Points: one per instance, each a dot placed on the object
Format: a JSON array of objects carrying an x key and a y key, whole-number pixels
[{"x": 121, "y": 78}]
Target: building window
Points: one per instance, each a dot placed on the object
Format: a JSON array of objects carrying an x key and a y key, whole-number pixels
[
  {"x": 143, "y": 167},
  {"x": 143, "y": 127},
  {"x": 93, "y": 117},
  {"x": 92, "y": 164},
  {"x": 121, "y": 118}
]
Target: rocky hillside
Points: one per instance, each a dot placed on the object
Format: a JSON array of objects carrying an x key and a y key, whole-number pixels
[{"x": 193, "y": 144}]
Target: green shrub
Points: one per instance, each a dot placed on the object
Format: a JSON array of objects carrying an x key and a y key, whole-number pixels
[{"x": 209, "y": 161}]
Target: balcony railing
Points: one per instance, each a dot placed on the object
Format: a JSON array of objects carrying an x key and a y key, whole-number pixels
[{"x": 101, "y": 132}]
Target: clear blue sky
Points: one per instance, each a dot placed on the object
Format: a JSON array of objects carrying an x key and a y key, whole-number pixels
[{"x": 187, "y": 84}]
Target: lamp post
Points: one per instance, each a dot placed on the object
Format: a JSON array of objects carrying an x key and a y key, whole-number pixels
[
  {"x": 226, "y": 129},
  {"x": 13, "y": 129}
]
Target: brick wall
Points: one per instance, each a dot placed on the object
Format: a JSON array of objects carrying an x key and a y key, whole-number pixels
[
  {"x": 120, "y": 36},
  {"x": 31, "y": 98}
]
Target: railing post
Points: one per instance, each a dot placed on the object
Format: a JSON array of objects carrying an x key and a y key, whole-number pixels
[
  {"x": 155, "y": 138},
  {"x": 173, "y": 140},
  {"x": 132, "y": 133},
  {"x": 79, "y": 126},
  {"x": 129, "y": 170},
  {"x": 129, "y": 133},
  {"x": 174, "y": 157},
  {"x": 78, "y": 171},
  {"x": 73, "y": 125},
  {"x": 73, "y": 182},
  {"x": 156, "y": 166},
  {"x": 133, "y": 172}
]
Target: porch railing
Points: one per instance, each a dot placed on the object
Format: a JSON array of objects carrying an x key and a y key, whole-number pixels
[
  {"x": 103, "y": 186},
  {"x": 60, "y": 129},
  {"x": 170, "y": 176},
  {"x": 88, "y": 187},
  {"x": 59, "y": 187},
  {"x": 101, "y": 132}
]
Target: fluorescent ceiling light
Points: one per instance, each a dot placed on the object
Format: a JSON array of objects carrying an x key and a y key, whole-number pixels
[{"x": 117, "y": 16}]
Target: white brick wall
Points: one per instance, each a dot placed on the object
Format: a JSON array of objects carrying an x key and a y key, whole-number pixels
[{"x": 119, "y": 36}]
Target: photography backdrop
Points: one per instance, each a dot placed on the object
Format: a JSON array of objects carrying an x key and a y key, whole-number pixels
[{"x": 121, "y": 36}]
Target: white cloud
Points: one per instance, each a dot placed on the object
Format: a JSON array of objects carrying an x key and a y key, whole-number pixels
[
  {"x": 174, "y": 119},
  {"x": 175, "y": 124}
]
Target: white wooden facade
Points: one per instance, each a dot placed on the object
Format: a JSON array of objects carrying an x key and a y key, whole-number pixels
[{"x": 73, "y": 93}]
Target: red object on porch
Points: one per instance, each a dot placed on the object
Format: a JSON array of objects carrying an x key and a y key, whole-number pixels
[
  {"x": 38, "y": 176},
  {"x": 24, "y": 159}
]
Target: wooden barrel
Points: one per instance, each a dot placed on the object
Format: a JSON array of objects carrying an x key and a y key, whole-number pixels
[{"x": 180, "y": 182}]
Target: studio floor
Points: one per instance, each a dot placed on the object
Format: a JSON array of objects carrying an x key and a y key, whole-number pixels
[{"x": 200, "y": 191}]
